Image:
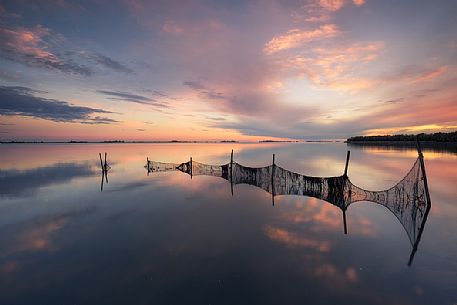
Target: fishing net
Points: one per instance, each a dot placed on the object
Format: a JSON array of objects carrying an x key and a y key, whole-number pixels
[{"x": 408, "y": 200}]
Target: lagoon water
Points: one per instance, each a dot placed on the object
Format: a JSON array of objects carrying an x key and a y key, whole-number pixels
[{"x": 165, "y": 238}]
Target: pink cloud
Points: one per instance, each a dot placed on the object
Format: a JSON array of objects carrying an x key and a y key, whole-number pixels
[
  {"x": 28, "y": 42},
  {"x": 429, "y": 75},
  {"x": 172, "y": 27},
  {"x": 296, "y": 37}
]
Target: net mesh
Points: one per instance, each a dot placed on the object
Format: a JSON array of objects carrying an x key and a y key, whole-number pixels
[{"x": 407, "y": 200}]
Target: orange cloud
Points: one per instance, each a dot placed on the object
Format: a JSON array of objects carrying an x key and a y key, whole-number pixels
[
  {"x": 292, "y": 240},
  {"x": 335, "y": 5},
  {"x": 358, "y": 2},
  {"x": 332, "y": 5},
  {"x": 336, "y": 278},
  {"x": 323, "y": 216},
  {"x": 35, "y": 239},
  {"x": 295, "y": 38},
  {"x": 334, "y": 67}
]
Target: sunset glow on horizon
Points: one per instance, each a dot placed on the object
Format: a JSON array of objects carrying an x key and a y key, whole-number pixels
[{"x": 226, "y": 70}]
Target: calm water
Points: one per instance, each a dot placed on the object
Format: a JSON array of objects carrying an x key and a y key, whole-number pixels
[{"x": 169, "y": 239}]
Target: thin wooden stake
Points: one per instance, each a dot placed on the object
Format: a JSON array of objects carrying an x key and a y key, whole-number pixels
[
  {"x": 101, "y": 185},
  {"x": 101, "y": 162},
  {"x": 272, "y": 181},
  {"x": 231, "y": 172},
  {"x": 344, "y": 222},
  {"x": 427, "y": 194},
  {"x": 347, "y": 163}
]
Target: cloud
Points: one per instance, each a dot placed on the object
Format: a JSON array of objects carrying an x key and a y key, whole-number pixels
[
  {"x": 27, "y": 46},
  {"x": 429, "y": 75},
  {"x": 126, "y": 96},
  {"x": 295, "y": 38},
  {"x": 42, "y": 48},
  {"x": 322, "y": 71},
  {"x": 218, "y": 119},
  {"x": 339, "y": 67},
  {"x": 203, "y": 92},
  {"x": 17, "y": 183},
  {"x": 110, "y": 63},
  {"x": 332, "y": 5},
  {"x": 99, "y": 120},
  {"x": 335, "y": 5},
  {"x": 21, "y": 101},
  {"x": 388, "y": 118},
  {"x": 194, "y": 85},
  {"x": 414, "y": 74},
  {"x": 35, "y": 236},
  {"x": 387, "y": 115},
  {"x": 161, "y": 95},
  {"x": 293, "y": 240},
  {"x": 395, "y": 101},
  {"x": 133, "y": 98}
]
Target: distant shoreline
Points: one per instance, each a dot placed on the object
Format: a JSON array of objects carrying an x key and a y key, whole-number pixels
[
  {"x": 171, "y": 142},
  {"x": 116, "y": 142}
]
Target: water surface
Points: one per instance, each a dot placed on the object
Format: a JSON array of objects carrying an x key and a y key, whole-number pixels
[{"x": 165, "y": 238}]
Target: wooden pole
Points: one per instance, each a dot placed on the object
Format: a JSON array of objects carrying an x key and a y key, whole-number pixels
[
  {"x": 105, "y": 161},
  {"x": 424, "y": 173},
  {"x": 190, "y": 169},
  {"x": 429, "y": 202},
  {"x": 101, "y": 184},
  {"x": 272, "y": 181},
  {"x": 344, "y": 222},
  {"x": 231, "y": 172},
  {"x": 347, "y": 163},
  {"x": 101, "y": 162},
  {"x": 419, "y": 148}
]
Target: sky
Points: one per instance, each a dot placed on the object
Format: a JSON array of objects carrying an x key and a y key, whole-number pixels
[{"x": 226, "y": 70}]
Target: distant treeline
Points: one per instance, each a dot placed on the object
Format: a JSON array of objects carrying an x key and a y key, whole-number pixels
[{"x": 443, "y": 137}]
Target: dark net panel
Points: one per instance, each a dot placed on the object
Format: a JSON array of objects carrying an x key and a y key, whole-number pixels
[{"x": 407, "y": 200}]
